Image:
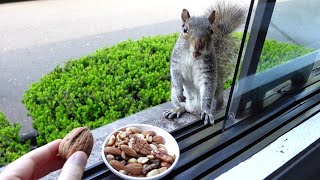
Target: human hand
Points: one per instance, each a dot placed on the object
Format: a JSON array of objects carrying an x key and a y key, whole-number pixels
[{"x": 44, "y": 160}]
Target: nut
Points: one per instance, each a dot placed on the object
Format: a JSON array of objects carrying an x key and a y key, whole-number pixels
[
  {"x": 151, "y": 157},
  {"x": 134, "y": 168},
  {"x": 142, "y": 160},
  {"x": 132, "y": 160},
  {"x": 79, "y": 139},
  {"x": 112, "y": 151},
  {"x": 141, "y": 146},
  {"x": 167, "y": 158},
  {"x": 154, "y": 148},
  {"x": 149, "y": 138},
  {"x": 152, "y": 133},
  {"x": 147, "y": 168},
  {"x": 162, "y": 169},
  {"x": 117, "y": 165},
  {"x": 121, "y": 135},
  {"x": 124, "y": 172},
  {"x": 134, "y": 130},
  {"x": 165, "y": 164},
  {"x": 138, "y": 154},
  {"x": 125, "y": 156},
  {"x": 128, "y": 150},
  {"x": 110, "y": 157},
  {"x": 153, "y": 173},
  {"x": 158, "y": 139},
  {"x": 128, "y": 133},
  {"x": 162, "y": 146},
  {"x": 111, "y": 140}
]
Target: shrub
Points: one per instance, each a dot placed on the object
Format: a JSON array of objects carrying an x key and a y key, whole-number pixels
[
  {"x": 104, "y": 86},
  {"x": 275, "y": 53},
  {"x": 11, "y": 147},
  {"x": 101, "y": 88}
]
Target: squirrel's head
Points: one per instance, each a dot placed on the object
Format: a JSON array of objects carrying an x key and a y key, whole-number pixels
[{"x": 198, "y": 32}]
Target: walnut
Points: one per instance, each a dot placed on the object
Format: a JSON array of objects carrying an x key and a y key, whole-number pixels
[{"x": 79, "y": 139}]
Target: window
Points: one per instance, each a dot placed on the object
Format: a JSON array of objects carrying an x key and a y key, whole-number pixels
[{"x": 266, "y": 75}]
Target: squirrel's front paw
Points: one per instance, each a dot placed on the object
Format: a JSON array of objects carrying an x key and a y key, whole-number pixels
[
  {"x": 171, "y": 113},
  {"x": 207, "y": 118}
]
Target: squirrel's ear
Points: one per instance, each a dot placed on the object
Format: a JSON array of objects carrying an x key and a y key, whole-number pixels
[
  {"x": 185, "y": 15},
  {"x": 212, "y": 17}
]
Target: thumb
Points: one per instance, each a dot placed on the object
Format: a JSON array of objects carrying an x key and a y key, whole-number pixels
[{"x": 74, "y": 167}]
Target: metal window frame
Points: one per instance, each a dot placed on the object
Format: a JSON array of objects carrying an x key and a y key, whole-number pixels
[{"x": 258, "y": 33}]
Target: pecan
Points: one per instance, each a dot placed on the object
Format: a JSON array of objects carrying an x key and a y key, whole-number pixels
[{"x": 140, "y": 145}]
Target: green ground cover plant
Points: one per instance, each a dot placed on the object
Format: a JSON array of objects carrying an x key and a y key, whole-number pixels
[
  {"x": 11, "y": 147},
  {"x": 115, "y": 82}
]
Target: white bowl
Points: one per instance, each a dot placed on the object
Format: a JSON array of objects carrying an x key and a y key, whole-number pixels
[{"x": 170, "y": 143}]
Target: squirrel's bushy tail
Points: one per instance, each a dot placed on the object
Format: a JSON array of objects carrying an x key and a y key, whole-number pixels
[{"x": 229, "y": 17}]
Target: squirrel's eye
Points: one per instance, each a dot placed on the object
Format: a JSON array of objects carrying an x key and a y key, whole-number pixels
[
  {"x": 185, "y": 29},
  {"x": 211, "y": 31}
]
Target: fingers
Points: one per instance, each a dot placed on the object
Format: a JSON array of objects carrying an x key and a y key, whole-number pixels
[
  {"x": 74, "y": 167},
  {"x": 36, "y": 163},
  {"x": 45, "y": 159}
]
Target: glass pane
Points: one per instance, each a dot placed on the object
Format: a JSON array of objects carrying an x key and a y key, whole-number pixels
[{"x": 286, "y": 62}]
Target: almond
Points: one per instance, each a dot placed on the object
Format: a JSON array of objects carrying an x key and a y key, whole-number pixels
[
  {"x": 128, "y": 150},
  {"x": 158, "y": 139},
  {"x": 117, "y": 165},
  {"x": 112, "y": 150},
  {"x": 134, "y": 168},
  {"x": 79, "y": 139},
  {"x": 152, "y": 133}
]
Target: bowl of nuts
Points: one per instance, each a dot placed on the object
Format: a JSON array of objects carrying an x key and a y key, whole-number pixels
[{"x": 140, "y": 151}]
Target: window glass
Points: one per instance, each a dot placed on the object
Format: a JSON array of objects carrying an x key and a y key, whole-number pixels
[{"x": 280, "y": 58}]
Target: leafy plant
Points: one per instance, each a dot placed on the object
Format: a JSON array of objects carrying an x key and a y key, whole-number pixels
[
  {"x": 109, "y": 84},
  {"x": 275, "y": 53},
  {"x": 100, "y": 88},
  {"x": 11, "y": 147}
]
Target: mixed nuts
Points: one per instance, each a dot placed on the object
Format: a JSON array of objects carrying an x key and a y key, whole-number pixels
[{"x": 138, "y": 153}]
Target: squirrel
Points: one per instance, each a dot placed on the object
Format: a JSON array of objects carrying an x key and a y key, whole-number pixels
[{"x": 202, "y": 59}]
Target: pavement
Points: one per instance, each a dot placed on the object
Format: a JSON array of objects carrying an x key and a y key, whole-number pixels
[{"x": 36, "y": 36}]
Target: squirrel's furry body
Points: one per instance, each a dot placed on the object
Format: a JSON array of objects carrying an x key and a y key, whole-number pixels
[{"x": 201, "y": 60}]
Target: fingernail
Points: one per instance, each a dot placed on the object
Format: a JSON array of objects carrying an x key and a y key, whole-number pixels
[{"x": 79, "y": 157}]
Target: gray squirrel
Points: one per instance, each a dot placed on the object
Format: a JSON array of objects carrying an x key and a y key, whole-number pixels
[{"x": 202, "y": 59}]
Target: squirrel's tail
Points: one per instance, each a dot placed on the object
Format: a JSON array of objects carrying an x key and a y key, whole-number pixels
[{"x": 229, "y": 17}]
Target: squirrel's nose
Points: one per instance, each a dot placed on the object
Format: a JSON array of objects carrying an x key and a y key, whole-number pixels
[{"x": 198, "y": 45}]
